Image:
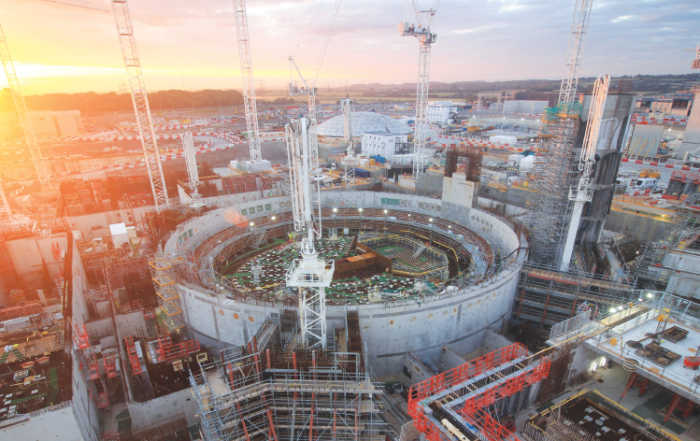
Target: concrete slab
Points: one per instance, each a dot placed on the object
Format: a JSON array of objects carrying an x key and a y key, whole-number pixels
[{"x": 674, "y": 376}]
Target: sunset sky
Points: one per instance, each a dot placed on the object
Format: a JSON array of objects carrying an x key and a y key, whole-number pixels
[{"x": 187, "y": 44}]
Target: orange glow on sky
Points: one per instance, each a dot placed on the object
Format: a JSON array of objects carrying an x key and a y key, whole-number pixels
[{"x": 192, "y": 45}]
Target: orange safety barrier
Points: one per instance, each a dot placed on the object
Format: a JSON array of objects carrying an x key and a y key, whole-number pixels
[
  {"x": 463, "y": 372},
  {"x": 473, "y": 409}
]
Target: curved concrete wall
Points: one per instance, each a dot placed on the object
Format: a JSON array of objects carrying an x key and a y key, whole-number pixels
[{"x": 389, "y": 330}]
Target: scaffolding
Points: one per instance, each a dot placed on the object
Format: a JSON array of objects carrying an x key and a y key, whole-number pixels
[
  {"x": 169, "y": 311},
  {"x": 470, "y": 398},
  {"x": 556, "y": 170},
  {"x": 310, "y": 395},
  {"x": 262, "y": 393}
]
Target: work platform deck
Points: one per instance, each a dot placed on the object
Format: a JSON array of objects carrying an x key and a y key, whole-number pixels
[{"x": 663, "y": 370}]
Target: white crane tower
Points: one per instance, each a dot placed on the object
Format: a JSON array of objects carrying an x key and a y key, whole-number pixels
[
  {"x": 567, "y": 90},
  {"x": 41, "y": 166},
  {"x": 139, "y": 99},
  {"x": 190, "y": 154},
  {"x": 310, "y": 274},
  {"x": 350, "y": 161},
  {"x": 310, "y": 92},
  {"x": 304, "y": 89},
  {"x": 256, "y": 162},
  {"x": 346, "y": 106},
  {"x": 583, "y": 192},
  {"x": 426, "y": 38}
]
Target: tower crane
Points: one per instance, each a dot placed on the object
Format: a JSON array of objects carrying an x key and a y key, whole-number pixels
[
  {"x": 304, "y": 89},
  {"x": 310, "y": 274},
  {"x": 567, "y": 90},
  {"x": 41, "y": 166},
  {"x": 420, "y": 29},
  {"x": 249, "y": 101},
  {"x": 5, "y": 210},
  {"x": 190, "y": 154},
  {"x": 139, "y": 99},
  {"x": 310, "y": 92},
  {"x": 350, "y": 161},
  {"x": 583, "y": 192}
]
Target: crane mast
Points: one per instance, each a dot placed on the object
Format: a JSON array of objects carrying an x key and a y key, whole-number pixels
[
  {"x": 349, "y": 161},
  {"x": 583, "y": 192},
  {"x": 190, "y": 154},
  {"x": 567, "y": 90},
  {"x": 426, "y": 39},
  {"x": 346, "y": 105},
  {"x": 310, "y": 274},
  {"x": 249, "y": 101},
  {"x": 41, "y": 167},
  {"x": 139, "y": 99},
  {"x": 310, "y": 92},
  {"x": 5, "y": 209},
  {"x": 305, "y": 89}
]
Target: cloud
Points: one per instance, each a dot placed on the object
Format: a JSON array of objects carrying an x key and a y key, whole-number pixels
[
  {"x": 623, "y": 18},
  {"x": 478, "y": 29},
  {"x": 507, "y": 6}
]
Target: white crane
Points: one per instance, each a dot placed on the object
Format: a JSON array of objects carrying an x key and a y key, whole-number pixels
[
  {"x": 250, "y": 106},
  {"x": 139, "y": 99},
  {"x": 304, "y": 89},
  {"x": 310, "y": 92},
  {"x": 583, "y": 192},
  {"x": 350, "y": 161},
  {"x": 310, "y": 274},
  {"x": 567, "y": 90},
  {"x": 41, "y": 166},
  {"x": 190, "y": 155},
  {"x": 426, "y": 38},
  {"x": 5, "y": 209},
  {"x": 346, "y": 106}
]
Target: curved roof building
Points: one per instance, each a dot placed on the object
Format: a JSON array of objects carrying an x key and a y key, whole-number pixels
[{"x": 363, "y": 122}]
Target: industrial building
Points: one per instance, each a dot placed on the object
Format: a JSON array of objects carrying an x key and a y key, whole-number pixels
[
  {"x": 331, "y": 132},
  {"x": 442, "y": 112}
]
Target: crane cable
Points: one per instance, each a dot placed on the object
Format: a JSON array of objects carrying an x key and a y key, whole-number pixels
[{"x": 324, "y": 50}]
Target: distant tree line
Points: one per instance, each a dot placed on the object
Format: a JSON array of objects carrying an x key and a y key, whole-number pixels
[{"x": 94, "y": 103}]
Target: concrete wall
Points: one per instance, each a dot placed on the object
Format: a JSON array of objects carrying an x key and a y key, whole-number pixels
[
  {"x": 159, "y": 411},
  {"x": 449, "y": 359},
  {"x": 691, "y": 136},
  {"x": 93, "y": 224},
  {"x": 524, "y": 106},
  {"x": 131, "y": 324},
  {"x": 29, "y": 255},
  {"x": 685, "y": 280},
  {"x": 56, "y": 423},
  {"x": 493, "y": 341},
  {"x": 391, "y": 330},
  {"x": 79, "y": 308},
  {"x": 84, "y": 408}
]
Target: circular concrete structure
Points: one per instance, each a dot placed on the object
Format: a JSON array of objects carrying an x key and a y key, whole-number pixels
[{"x": 456, "y": 313}]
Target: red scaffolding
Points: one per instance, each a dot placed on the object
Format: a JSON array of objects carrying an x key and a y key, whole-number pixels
[
  {"x": 169, "y": 351},
  {"x": 133, "y": 356},
  {"x": 463, "y": 372},
  {"x": 80, "y": 336},
  {"x": 474, "y": 409}
]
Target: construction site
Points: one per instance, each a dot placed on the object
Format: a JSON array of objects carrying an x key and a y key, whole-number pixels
[{"x": 329, "y": 273}]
